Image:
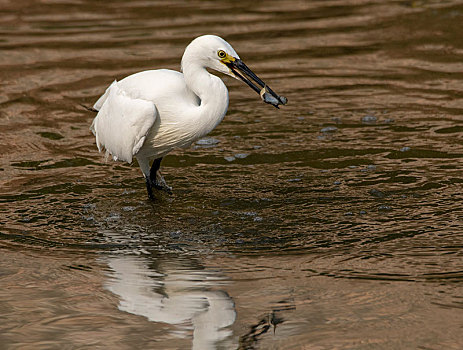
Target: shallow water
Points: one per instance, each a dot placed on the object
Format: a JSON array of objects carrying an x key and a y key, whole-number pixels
[{"x": 332, "y": 223}]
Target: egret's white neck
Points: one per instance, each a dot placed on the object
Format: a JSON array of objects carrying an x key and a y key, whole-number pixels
[{"x": 210, "y": 89}]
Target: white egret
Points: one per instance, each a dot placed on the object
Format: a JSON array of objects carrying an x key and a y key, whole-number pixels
[{"x": 148, "y": 114}]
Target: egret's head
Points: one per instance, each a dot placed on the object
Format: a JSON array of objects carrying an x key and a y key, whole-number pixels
[{"x": 211, "y": 51}]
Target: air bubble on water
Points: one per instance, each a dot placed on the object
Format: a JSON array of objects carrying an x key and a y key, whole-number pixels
[
  {"x": 126, "y": 192},
  {"x": 384, "y": 207},
  {"x": 175, "y": 234},
  {"x": 369, "y": 119},
  {"x": 89, "y": 206},
  {"x": 370, "y": 167},
  {"x": 241, "y": 155},
  {"x": 207, "y": 141},
  {"x": 329, "y": 129},
  {"x": 113, "y": 217},
  {"x": 377, "y": 193},
  {"x": 128, "y": 208}
]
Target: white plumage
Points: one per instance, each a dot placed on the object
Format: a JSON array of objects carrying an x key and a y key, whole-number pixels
[
  {"x": 148, "y": 114},
  {"x": 123, "y": 122}
]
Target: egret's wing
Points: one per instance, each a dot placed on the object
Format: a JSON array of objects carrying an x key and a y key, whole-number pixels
[
  {"x": 98, "y": 104},
  {"x": 122, "y": 122}
]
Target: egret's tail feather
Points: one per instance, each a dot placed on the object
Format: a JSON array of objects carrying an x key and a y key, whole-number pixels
[
  {"x": 91, "y": 109},
  {"x": 122, "y": 123}
]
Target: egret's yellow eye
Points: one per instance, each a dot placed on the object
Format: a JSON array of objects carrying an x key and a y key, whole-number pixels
[{"x": 221, "y": 54}]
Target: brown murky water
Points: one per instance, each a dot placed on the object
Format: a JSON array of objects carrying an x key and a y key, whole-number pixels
[{"x": 333, "y": 223}]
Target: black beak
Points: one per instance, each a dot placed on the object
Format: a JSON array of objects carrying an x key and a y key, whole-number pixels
[{"x": 247, "y": 75}]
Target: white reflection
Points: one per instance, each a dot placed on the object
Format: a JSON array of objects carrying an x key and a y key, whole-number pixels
[{"x": 177, "y": 296}]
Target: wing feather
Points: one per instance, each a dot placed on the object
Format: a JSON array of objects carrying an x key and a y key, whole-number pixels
[{"x": 122, "y": 122}]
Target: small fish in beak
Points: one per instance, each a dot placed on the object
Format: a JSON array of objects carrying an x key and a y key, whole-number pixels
[{"x": 267, "y": 97}]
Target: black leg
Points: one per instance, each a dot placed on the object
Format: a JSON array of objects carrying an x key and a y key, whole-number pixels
[
  {"x": 149, "y": 188},
  {"x": 151, "y": 178},
  {"x": 154, "y": 168},
  {"x": 157, "y": 181}
]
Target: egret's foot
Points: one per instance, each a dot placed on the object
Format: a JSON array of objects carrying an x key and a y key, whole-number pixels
[
  {"x": 156, "y": 180},
  {"x": 160, "y": 184},
  {"x": 149, "y": 188}
]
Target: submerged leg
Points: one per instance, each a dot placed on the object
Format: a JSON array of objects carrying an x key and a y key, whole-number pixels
[
  {"x": 157, "y": 180},
  {"x": 145, "y": 168},
  {"x": 153, "y": 177},
  {"x": 149, "y": 188}
]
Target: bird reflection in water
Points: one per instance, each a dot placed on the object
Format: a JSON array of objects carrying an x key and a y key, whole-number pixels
[{"x": 177, "y": 296}]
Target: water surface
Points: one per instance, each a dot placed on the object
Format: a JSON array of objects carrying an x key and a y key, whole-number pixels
[{"x": 333, "y": 223}]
